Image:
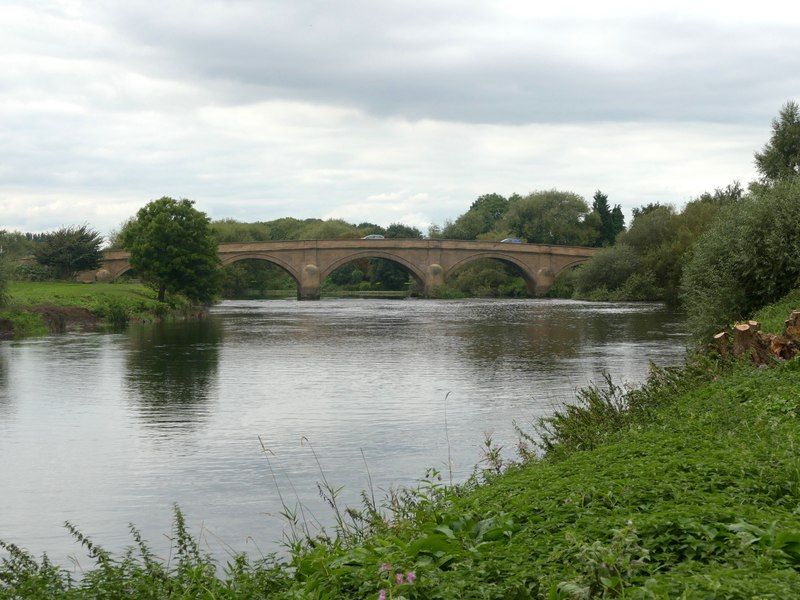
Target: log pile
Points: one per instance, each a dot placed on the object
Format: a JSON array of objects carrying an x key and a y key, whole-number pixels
[{"x": 747, "y": 340}]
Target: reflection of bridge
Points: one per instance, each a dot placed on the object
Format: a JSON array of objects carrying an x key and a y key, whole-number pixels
[{"x": 430, "y": 262}]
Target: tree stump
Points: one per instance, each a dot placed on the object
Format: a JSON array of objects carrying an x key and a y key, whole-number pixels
[
  {"x": 791, "y": 327},
  {"x": 743, "y": 339},
  {"x": 721, "y": 343}
]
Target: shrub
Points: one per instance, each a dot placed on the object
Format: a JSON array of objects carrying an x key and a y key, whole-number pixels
[
  {"x": 749, "y": 257},
  {"x": 32, "y": 272},
  {"x": 609, "y": 268},
  {"x": 69, "y": 250},
  {"x": 3, "y": 281}
]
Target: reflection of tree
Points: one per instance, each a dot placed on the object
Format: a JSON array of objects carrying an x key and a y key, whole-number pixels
[
  {"x": 171, "y": 368},
  {"x": 540, "y": 334},
  {"x": 5, "y": 399}
]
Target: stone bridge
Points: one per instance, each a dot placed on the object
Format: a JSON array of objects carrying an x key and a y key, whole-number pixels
[{"x": 430, "y": 262}]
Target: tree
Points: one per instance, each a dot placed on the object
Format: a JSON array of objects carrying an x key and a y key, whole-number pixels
[
  {"x": 399, "y": 230},
  {"x": 483, "y": 216},
  {"x": 603, "y": 210},
  {"x": 617, "y": 221},
  {"x": 551, "y": 217},
  {"x": 172, "y": 247},
  {"x": 780, "y": 158},
  {"x": 748, "y": 257},
  {"x": 69, "y": 250}
]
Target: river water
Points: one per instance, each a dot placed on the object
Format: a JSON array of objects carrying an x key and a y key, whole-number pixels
[{"x": 103, "y": 429}]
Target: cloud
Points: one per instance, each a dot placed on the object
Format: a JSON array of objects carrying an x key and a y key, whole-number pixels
[{"x": 375, "y": 111}]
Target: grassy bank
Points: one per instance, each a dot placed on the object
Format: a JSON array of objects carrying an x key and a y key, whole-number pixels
[
  {"x": 39, "y": 307},
  {"x": 688, "y": 487}
]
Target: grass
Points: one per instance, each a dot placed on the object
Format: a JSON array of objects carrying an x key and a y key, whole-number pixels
[
  {"x": 34, "y": 307},
  {"x": 687, "y": 487},
  {"x": 772, "y": 317}
]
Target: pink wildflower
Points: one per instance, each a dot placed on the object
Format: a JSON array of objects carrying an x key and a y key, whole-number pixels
[
  {"x": 384, "y": 567},
  {"x": 399, "y": 578},
  {"x": 411, "y": 576},
  {"x": 382, "y": 595}
]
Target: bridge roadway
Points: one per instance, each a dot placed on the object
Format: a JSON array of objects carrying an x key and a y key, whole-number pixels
[{"x": 430, "y": 262}]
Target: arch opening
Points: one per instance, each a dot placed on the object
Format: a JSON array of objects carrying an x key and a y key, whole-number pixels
[
  {"x": 372, "y": 274},
  {"x": 257, "y": 277},
  {"x": 564, "y": 282},
  {"x": 490, "y": 276}
]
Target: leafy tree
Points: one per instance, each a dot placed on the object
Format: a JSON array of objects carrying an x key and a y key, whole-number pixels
[
  {"x": 644, "y": 209},
  {"x": 399, "y": 230},
  {"x": 608, "y": 269},
  {"x": 69, "y": 250},
  {"x": 483, "y": 216},
  {"x": 748, "y": 257},
  {"x": 780, "y": 157},
  {"x": 172, "y": 247},
  {"x": 603, "y": 210},
  {"x": 617, "y": 221},
  {"x": 552, "y": 217}
]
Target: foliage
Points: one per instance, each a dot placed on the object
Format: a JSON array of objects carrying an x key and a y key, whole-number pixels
[
  {"x": 748, "y": 258},
  {"x": 399, "y": 230},
  {"x": 69, "y": 250},
  {"x": 4, "y": 273},
  {"x": 780, "y": 158},
  {"x": 612, "y": 221},
  {"x": 661, "y": 240},
  {"x": 483, "y": 216},
  {"x": 772, "y": 316},
  {"x": 22, "y": 324},
  {"x": 171, "y": 246},
  {"x": 552, "y": 217},
  {"x": 609, "y": 268},
  {"x": 16, "y": 244},
  {"x": 113, "y": 303}
]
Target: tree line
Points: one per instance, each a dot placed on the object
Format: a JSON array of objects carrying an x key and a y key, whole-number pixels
[{"x": 733, "y": 247}]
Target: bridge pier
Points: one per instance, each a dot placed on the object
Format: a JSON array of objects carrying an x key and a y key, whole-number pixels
[{"x": 308, "y": 288}]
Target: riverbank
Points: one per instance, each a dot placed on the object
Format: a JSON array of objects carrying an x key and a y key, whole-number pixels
[
  {"x": 36, "y": 308},
  {"x": 687, "y": 486}
]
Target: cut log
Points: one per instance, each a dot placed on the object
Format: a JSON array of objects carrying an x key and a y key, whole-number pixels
[
  {"x": 754, "y": 325},
  {"x": 721, "y": 343}
]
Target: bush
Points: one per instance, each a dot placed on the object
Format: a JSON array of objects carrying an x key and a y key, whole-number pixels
[
  {"x": 609, "y": 268},
  {"x": 32, "y": 272},
  {"x": 749, "y": 257},
  {"x": 3, "y": 282},
  {"x": 69, "y": 250}
]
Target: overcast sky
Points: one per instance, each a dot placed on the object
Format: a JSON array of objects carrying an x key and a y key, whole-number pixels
[{"x": 379, "y": 111}]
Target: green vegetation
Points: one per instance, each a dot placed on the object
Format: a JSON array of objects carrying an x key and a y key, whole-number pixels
[
  {"x": 722, "y": 257},
  {"x": 780, "y": 158},
  {"x": 38, "y": 307},
  {"x": 69, "y": 250},
  {"x": 172, "y": 248},
  {"x": 748, "y": 258}
]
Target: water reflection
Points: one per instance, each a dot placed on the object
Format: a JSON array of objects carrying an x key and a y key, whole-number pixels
[
  {"x": 171, "y": 372},
  {"x": 5, "y": 399}
]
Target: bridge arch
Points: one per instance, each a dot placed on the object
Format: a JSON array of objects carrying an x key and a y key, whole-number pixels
[
  {"x": 229, "y": 260},
  {"x": 416, "y": 272},
  {"x": 569, "y": 265},
  {"x": 527, "y": 275}
]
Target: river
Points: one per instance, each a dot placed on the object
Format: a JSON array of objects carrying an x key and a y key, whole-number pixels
[{"x": 103, "y": 429}]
